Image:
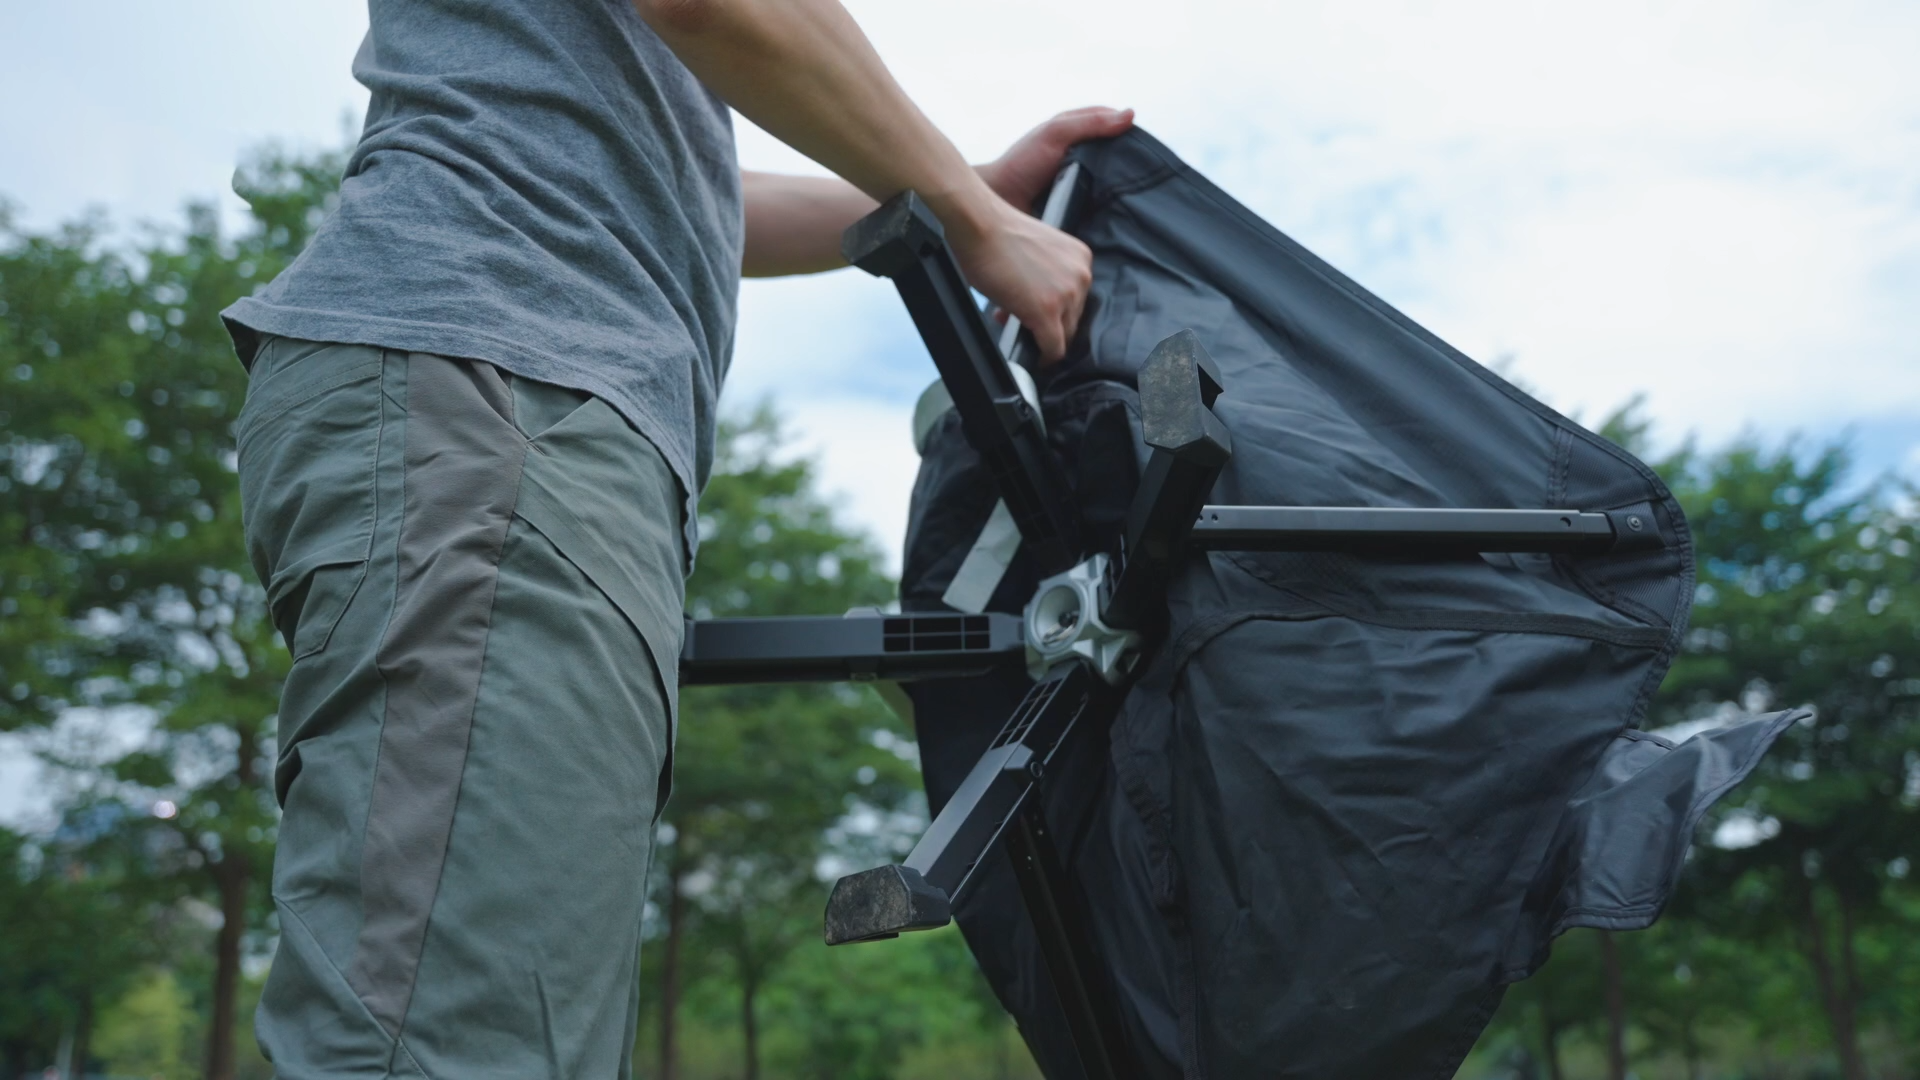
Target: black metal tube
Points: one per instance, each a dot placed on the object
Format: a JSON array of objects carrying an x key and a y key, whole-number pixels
[
  {"x": 902, "y": 240},
  {"x": 1061, "y": 924},
  {"x": 1399, "y": 530}
]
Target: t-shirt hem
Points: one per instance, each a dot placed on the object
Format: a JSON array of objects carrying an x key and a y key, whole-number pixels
[{"x": 403, "y": 335}]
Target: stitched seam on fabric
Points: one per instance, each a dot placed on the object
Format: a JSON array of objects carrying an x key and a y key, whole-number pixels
[
  {"x": 1559, "y": 468},
  {"x": 560, "y": 544},
  {"x": 1340, "y": 282},
  {"x": 367, "y": 981},
  {"x": 1555, "y": 625},
  {"x": 287, "y": 909},
  {"x": 511, "y": 352},
  {"x": 373, "y": 524},
  {"x": 1101, "y": 196},
  {"x": 1442, "y": 619},
  {"x": 1671, "y": 873},
  {"x": 426, "y": 929},
  {"x": 393, "y": 604},
  {"x": 399, "y": 1049},
  {"x": 274, "y": 409},
  {"x": 1636, "y": 735},
  {"x": 667, "y": 697},
  {"x": 1197, "y": 636}
]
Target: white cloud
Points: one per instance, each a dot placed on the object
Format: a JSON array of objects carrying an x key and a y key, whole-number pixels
[
  {"x": 23, "y": 802},
  {"x": 1716, "y": 202},
  {"x": 139, "y": 107},
  {"x": 866, "y": 456}
]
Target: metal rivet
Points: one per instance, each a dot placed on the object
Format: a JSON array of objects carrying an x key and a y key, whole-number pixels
[{"x": 1634, "y": 522}]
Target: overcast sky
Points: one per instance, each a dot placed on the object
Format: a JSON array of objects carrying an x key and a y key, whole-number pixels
[{"x": 1716, "y": 205}]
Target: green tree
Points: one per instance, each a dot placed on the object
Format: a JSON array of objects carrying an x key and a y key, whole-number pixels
[
  {"x": 762, "y": 773},
  {"x": 858, "y": 1012},
  {"x": 72, "y": 940},
  {"x": 146, "y": 1032},
  {"x": 1561, "y": 1000},
  {"x": 1799, "y": 917},
  {"x": 126, "y": 590},
  {"x": 1809, "y": 593}
]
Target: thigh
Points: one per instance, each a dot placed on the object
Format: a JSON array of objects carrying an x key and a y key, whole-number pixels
[
  {"x": 321, "y": 477},
  {"x": 480, "y": 580},
  {"x": 529, "y": 961},
  {"x": 529, "y": 964}
]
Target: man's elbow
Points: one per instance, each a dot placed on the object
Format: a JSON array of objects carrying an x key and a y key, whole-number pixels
[{"x": 679, "y": 17}]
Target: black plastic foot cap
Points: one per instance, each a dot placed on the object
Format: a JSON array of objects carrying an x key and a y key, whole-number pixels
[{"x": 881, "y": 903}]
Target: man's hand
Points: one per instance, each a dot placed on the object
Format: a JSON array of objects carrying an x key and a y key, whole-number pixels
[
  {"x": 1047, "y": 269},
  {"x": 1025, "y": 172},
  {"x": 794, "y": 222},
  {"x": 803, "y": 71},
  {"x": 1033, "y": 270}
]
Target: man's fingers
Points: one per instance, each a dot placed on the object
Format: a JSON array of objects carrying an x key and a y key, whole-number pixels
[
  {"x": 1060, "y": 326},
  {"x": 1093, "y": 122},
  {"x": 1063, "y": 331},
  {"x": 1052, "y": 343},
  {"x": 1069, "y": 305}
]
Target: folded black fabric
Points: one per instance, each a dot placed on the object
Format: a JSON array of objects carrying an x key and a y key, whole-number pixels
[{"x": 1349, "y": 799}]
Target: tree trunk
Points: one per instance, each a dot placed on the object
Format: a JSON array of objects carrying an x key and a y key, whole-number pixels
[
  {"x": 1837, "y": 990},
  {"x": 1616, "y": 1007},
  {"x": 1690, "y": 1045},
  {"x": 1550, "y": 1039},
  {"x": 233, "y": 874},
  {"x": 82, "y": 1037},
  {"x": 1850, "y": 981},
  {"x": 670, "y": 971},
  {"x": 750, "y": 1028}
]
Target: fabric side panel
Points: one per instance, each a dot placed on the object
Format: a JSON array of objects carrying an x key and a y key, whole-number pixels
[
  {"x": 321, "y": 435},
  {"x": 463, "y": 460},
  {"x": 529, "y": 962},
  {"x": 603, "y": 493},
  {"x": 1623, "y": 842}
]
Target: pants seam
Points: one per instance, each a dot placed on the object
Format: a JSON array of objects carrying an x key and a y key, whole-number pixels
[{"x": 395, "y": 924}]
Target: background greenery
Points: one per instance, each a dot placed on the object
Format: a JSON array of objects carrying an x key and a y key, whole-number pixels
[{"x": 136, "y": 660}]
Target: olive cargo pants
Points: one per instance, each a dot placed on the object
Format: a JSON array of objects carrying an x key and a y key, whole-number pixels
[{"x": 480, "y": 579}]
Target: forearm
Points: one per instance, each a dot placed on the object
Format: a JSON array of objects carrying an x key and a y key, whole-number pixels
[
  {"x": 794, "y": 222},
  {"x": 802, "y": 70}
]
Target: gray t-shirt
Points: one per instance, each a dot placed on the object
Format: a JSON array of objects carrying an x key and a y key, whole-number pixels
[{"x": 541, "y": 185}]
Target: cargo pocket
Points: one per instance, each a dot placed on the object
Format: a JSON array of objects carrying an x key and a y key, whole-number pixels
[{"x": 308, "y": 439}]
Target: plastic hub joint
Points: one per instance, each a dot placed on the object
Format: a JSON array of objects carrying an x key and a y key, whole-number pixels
[{"x": 1063, "y": 623}]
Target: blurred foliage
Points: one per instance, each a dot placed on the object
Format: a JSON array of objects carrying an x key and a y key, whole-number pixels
[
  {"x": 127, "y": 605},
  {"x": 70, "y": 941},
  {"x": 137, "y": 657},
  {"x": 147, "y": 1032},
  {"x": 776, "y": 788},
  {"x": 1793, "y": 945}
]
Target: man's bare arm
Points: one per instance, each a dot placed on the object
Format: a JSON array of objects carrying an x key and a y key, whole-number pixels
[
  {"x": 802, "y": 70},
  {"x": 794, "y": 222}
]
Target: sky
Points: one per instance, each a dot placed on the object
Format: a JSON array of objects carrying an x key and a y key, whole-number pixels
[{"x": 1714, "y": 205}]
